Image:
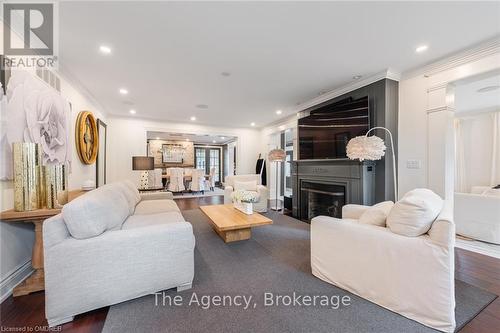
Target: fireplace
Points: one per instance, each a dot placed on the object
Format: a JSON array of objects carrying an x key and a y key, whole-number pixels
[
  {"x": 323, "y": 187},
  {"x": 321, "y": 199}
]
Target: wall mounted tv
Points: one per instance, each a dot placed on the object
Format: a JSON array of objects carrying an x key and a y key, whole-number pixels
[{"x": 325, "y": 132}]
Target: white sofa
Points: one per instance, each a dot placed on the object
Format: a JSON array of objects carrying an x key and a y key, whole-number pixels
[
  {"x": 412, "y": 276},
  {"x": 477, "y": 214},
  {"x": 263, "y": 192},
  {"x": 111, "y": 245}
]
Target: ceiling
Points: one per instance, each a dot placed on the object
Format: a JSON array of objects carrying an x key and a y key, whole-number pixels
[
  {"x": 478, "y": 95},
  {"x": 196, "y": 138},
  {"x": 170, "y": 56}
]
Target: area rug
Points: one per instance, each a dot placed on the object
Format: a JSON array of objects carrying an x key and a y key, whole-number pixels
[{"x": 249, "y": 286}]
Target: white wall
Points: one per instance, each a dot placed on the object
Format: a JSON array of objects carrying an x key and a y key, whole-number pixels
[
  {"x": 426, "y": 110},
  {"x": 270, "y": 139},
  {"x": 16, "y": 240},
  {"x": 127, "y": 137}
]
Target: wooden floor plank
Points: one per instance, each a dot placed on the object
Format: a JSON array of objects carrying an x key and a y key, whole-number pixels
[{"x": 476, "y": 269}]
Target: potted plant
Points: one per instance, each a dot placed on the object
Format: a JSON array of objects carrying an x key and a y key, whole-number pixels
[{"x": 243, "y": 201}]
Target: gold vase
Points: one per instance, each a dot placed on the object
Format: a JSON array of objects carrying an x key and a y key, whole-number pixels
[
  {"x": 26, "y": 175},
  {"x": 56, "y": 189},
  {"x": 42, "y": 185}
]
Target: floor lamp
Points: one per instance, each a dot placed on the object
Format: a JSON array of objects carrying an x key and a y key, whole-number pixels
[
  {"x": 143, "y": 163},
  {"x": 277, "y": 156},
  {"x": 372, "y": 148}
]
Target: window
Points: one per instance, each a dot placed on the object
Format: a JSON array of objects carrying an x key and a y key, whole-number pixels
[
  {"x": 215, "y": 163},
  {"x": 200, "y": 158}
]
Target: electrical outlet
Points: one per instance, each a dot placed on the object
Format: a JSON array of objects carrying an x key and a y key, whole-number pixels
[{"x": 413, "y": 164}]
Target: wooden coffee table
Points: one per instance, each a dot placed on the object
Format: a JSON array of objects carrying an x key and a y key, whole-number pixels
[{"x": 231, "y": 224}]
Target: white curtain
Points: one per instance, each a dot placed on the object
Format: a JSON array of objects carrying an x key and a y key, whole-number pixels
[{"x": 477, "y": 151}]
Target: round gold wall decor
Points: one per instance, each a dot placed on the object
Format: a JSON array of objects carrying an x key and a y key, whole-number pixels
[{"x": 86, "y": 137}]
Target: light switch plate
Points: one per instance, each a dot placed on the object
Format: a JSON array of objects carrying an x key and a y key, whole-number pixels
[{"x": 413, "y": 164}]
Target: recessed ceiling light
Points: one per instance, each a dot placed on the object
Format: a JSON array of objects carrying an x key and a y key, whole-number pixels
[
  {"x": 105, "y": 49},
  {"x": 123, "y": 91},
  {"x": 132, "y": 111},
  {"x": 157, "y": 138},
  {"x": 488, "y": 89},
  {"x": 278, "y": 112},
  {"x": 187, "y": 139},
  {"x": 193, "y": 118},
  {"x": 213, "y": 141},
  {"x": 225, "y": 74},
  {"x": 357, "y": 77},
  {"x": 223, "y": 137},
  {"x": 421, "y": 48},
  {"x": 202, "y": 106},
  {"x": 252, "y": 124}
]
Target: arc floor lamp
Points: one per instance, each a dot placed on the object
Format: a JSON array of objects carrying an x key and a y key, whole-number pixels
[{"x": 372, "y": 148}]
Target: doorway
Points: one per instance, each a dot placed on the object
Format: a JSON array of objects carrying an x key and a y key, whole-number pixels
[{"x": 206, "y": 158}]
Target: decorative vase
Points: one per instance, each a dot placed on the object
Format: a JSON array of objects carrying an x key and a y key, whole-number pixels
[
  {"x": 42, "y": 187},
  {"x": 27, "y": 164},
  {"x": 245, "y": 207},
  {"x": 56, "y": 185}
]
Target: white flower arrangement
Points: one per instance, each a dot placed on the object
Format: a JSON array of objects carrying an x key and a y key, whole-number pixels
[{"x": 245, "y": 196}]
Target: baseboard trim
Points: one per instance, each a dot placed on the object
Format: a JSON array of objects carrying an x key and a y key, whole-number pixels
[{"x": 8, "y": 284}]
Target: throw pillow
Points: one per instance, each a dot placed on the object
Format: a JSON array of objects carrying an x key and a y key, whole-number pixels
[
  {"x": 129, "y": 195},
  {"x": 414, "y": 214},
  {"x": 133, "y": 190},
  {"x": 245, "y": 186},
  {"x": 377, "y": 214},
  {"x": 102, "y": 209}
]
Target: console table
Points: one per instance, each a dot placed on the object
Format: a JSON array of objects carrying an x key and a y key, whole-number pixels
[{"x": 36, "y": 281}]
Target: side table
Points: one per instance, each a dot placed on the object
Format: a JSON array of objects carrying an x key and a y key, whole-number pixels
[{"x": 36, "y": 281}]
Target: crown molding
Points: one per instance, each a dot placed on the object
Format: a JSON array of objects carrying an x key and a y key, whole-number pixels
[
  {"x": 471, "y": 54},
  {"x": 65, "y": 74},
  {"x": 385, "y": 74}
]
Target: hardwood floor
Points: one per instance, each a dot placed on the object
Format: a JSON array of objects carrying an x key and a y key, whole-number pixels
[{"x": 473, "y": 268}]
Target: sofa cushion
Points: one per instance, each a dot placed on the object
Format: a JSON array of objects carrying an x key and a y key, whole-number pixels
[
  {"x": 145, "y": 220},
  {"x": 129, "y": 196},
  {"x": 156, "y": 206},
  {"x": 133, "y": 190},
  {"x": 245, "y": 186},
  {"x": 377, "y": 214},
  {"x": 91, "y": 214},
  {"x": 414, "y": 214}
]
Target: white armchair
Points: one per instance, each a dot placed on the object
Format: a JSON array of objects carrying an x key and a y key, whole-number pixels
[
  {"x": 477, "y": 214},
  {"x": 412, "y": 276},
  {"x": 263, "y": 192}
]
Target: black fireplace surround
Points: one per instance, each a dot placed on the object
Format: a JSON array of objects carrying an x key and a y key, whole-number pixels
[{"x": 323, "y": 186}]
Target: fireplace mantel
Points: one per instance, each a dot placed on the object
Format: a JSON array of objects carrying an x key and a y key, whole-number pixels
[{"x": 357, "y": 178}]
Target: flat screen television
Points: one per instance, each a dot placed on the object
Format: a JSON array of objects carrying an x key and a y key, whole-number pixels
[{"x": 325, "y": 132}]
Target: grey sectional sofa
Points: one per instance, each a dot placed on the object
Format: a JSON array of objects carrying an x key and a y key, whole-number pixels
[{"x": 111, "y": 245}]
